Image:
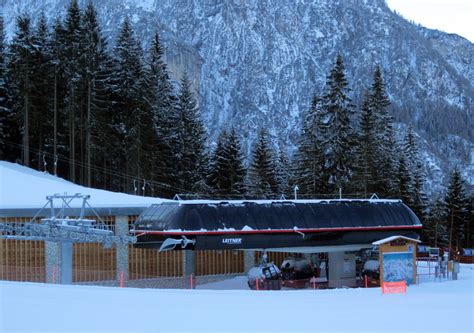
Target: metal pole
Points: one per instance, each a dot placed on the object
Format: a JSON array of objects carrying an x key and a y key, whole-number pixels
[{"x": 66, "y": 263}]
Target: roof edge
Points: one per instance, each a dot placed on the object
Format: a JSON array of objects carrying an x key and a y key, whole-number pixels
[{"x": 392, "y": 238}]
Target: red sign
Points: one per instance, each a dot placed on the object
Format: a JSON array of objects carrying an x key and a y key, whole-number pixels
[{"x": 399, "y": 287}]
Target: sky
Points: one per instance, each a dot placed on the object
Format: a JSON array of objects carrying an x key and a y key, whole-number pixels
[{"x": 453, "y": 16}]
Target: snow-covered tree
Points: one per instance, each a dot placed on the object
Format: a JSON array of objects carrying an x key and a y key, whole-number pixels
[
  {"x": 261, "y": 173},
  {"x": 191, "y": 142},
  {"x": 41, "y": 116},
  {"x": 404, "y": 181},
  {"x": 283, "y": 172},
  {"x": 132, "y": 119},
  {"x": 72, "y": 50},
  {"x": 94, "y": 71},
  {"x": 309, "y": 160},
  {"x": 365, "y": 169},
  {"x": 6, "y": 121},
  {"x": 435, "y": 231},
  {"x": 21, "y": 54},
  {"x": 163, "y": 105},
  {"x": 385, "y": 154},
  {"x": 337, "y": 137},
  {"x": 227, "y": 171},
  {"x": 456, "y": 211},
  {"x": 218, "y": 164},
  {"x": 418, "y": 200}
]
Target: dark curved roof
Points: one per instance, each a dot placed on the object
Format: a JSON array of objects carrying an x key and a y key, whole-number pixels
[{"x": 276, "y": 215}]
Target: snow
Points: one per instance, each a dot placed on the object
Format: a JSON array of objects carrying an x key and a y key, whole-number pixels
[
  {"x": 286, "y": 201},
  {"x": 392, "y": 238},
  {"x": 22, "y": 187},
  {"x": 432, "y": 306},
  {"x": 371, "y": 265}
]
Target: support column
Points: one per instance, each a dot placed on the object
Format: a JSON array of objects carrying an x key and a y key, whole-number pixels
[
  {"x": 342, "y": 270},
  {"x": 121, "y": 253},
  {"x": 249, "y": 260},
  {"x": 189, "y": 262},
  {"x": 52, "y": 253},
  {"x": 58, "y": 262},
  {"x": 66, "y": 263}
]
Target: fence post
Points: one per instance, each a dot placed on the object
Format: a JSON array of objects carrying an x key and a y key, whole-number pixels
[
  {"x": 191, "y": 280},
  {"x": 256, "y": 283},
  {"x": 54, "y": 275},
  {"x": 121, "y": 279},
  {"x": 365, "y": 280}
]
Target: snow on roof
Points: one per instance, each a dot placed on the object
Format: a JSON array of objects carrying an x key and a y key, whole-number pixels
[
  {"x": 270, "y": 201},
  {"x": 22, "y": 187},
  {"x": 392, "y": 238}
]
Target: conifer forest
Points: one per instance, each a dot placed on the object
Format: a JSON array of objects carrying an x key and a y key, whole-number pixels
[{"x": 106, "y": 114}]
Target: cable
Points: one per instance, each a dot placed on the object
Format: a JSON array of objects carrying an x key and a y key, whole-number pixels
[{"x": 104, "y": 170}]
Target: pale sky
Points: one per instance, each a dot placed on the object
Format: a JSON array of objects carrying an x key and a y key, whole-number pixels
[{"x": 454, "y": 16}]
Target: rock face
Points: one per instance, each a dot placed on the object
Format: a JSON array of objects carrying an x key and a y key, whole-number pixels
[{"x": 257, "y": 63}]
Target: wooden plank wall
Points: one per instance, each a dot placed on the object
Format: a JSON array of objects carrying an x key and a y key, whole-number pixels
[
  {"x": 149, "y": 263},
  {"x": 91, "y": 261},
  {"x": 21, "y": 260},
  {"x": 275, "y": 257},
  {"x": 25, "y": 260},
  {"x": 219, "y": 262}
]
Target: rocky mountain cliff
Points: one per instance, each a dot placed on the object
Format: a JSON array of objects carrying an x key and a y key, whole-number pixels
[{"x": 258, "y": 62}]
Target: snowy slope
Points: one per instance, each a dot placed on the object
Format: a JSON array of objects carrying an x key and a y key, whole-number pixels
[
  {"x": 22, "y": 187},
  {"x": 257, "y": 63},
  {"x": 428, "y": 307}
]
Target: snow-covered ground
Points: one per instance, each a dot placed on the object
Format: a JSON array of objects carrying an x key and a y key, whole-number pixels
[
  {"x": 22, "y": 187},
  {"x": 435, "y": 306}
]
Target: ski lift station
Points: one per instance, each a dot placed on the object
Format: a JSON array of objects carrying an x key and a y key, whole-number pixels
[{"x": 98, "y": 236}]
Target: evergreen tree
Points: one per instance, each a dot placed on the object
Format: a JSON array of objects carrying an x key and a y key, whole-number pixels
[
  {"x": 191, "y": 142},
  {"x": 58, "y": 141},
  {"x": 337, "y": 132},
  {"x": 227, "y": 172},
  {"x": 366, "y": 171},
  {"x": 72, "y": 51},
  {"x": 163, "y": 104},
  {"x": 7, "y": 126},
  {"x": 237, "y": 172},
  {"x": 385, "y": 153},
  {"x": 41, "y": 115},
  {"x": 403, "y": 181},
  {"x": 283, "y": 173},
  {"x": 456, "y": 211},
  {"x": 310, "y": 154},
  {"x": 218, "y": 165},
  {"x": 94, "y": 65},
  {"x": 20, "y": 67},
  {"x": 262, "y": 180},
  {"x": 435, "y": 230},
  {"x": 469, "y": 232},
  {"x": 411, "y": 149},
  {"x": 131, "y": 118},
  {"x": 418, "y": 198}
]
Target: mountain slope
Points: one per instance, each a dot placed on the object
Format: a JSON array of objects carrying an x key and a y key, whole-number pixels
[{"x": 257, "y": 63}]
